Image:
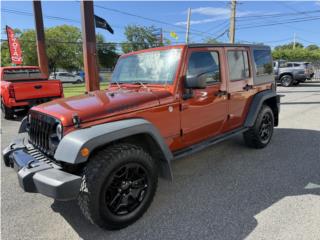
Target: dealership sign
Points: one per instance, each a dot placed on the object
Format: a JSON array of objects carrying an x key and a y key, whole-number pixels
[{"x": 14, "y": 47}]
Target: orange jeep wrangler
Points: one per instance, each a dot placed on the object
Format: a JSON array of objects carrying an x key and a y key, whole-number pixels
[{"x": 107, "y": 148}]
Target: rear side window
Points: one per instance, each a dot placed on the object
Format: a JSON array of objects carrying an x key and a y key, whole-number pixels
[
  {"x": 263, "y": 62},
  {"x": 22, "y": 74},
  {"x": 238, "y": 65},
  {"x": 204, "y": 63}
]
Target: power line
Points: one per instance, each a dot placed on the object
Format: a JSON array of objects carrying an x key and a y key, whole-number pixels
[
  {"x": 249, "y": 18},
  {"x": 307, "y": 41},
  {"x": 149, "y": 19},
  {"x": 280, "y": 23},
  {"x": 18, "y": 12}
]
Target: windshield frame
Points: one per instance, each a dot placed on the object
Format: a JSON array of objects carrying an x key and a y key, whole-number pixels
[{"x": 150, "y": 50}]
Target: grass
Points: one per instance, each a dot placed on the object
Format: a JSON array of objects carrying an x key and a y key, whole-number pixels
[{"x": 78, "y": 89}]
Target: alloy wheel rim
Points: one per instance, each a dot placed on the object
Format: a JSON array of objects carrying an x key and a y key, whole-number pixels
[
  {"x": 286, "y": 81},
  {"x": 265, "y": 130},
  {"x": 126, "y": 189}
]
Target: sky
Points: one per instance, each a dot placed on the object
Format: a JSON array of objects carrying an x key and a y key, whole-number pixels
[{"x": 208, "y": 19}]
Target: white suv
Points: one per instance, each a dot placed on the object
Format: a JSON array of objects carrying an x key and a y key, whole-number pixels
[{"x": 66, "y": 77}]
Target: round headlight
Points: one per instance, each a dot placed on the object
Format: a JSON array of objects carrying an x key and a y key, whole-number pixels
[{"x": 59, "y": 131}]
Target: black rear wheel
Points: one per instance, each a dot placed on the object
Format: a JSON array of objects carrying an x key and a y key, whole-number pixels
[
  {"x": 8, "y": 113},
  {"x": 261, "y": 133},
  {"x": 118, "y": 186}
]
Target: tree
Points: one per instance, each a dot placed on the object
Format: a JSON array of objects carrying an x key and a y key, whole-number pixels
[
  {"x": 289, "y": 46},
  {"x": 64, "y": 48},
  {"x": 107, "y": 55},
  {"x": 312, "y": 47},
  {"x": 139, "y": 37},
  {"x": 5, "y": 54}
]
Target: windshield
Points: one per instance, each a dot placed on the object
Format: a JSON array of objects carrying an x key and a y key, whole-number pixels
[
  {"x": 156, "y": 67},
  {"x": 22, "y": 74}
]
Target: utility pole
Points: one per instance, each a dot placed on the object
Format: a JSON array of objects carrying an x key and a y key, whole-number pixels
[
  {"x": 294, "y": 40},
  {"x": 161, "y": 37},
  {"x": 232, "y": 29},
  {"x": 188, "y": 25},
  {"x": 89, "y": 46},
  {"x": 41, "y": 46}
]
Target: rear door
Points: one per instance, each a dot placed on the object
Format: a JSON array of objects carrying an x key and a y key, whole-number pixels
[
  {"x": 239, "y": 85},
  {"x": 204, "y": 113}
]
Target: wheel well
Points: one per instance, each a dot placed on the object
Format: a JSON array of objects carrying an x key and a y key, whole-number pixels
[
  {"x": 272, "y": 103},
  {"x": 150, "y": 145},
  {"x": 282, "y": 74}
]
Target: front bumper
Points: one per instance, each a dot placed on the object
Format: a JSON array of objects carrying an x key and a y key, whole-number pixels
[{"x": 39, "y": 174}]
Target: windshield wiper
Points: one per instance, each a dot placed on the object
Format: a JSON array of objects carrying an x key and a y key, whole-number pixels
[
  {"x": 143, "y": 84},
  {"x": 118, "y": 84}
]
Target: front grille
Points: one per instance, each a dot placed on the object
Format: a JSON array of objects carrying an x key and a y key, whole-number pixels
[{"x": 41, "y": 129}]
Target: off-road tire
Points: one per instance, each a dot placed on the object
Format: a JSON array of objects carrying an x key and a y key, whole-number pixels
[
  {"x": 252, "y": 137},
  {"x": 8, "y": 113},
  {"x": 101, "y": 166},
  {"x": 286, "y": 80}
]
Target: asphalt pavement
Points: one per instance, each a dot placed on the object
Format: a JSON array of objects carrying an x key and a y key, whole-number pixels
[{"x": 227, "y": 191}]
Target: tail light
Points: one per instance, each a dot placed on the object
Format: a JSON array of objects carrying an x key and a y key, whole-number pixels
[
  {"x": 11, "y": 91},
  {"x": 61, "y": 89}
]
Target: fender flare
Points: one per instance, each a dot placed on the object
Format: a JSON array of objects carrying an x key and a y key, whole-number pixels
[
  {"x": 23, "y": 125},
  {"x": 257, "y": 103},
  {"x": 69, "y": 148}
]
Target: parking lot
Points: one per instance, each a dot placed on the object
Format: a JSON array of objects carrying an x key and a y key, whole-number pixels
[{"x": 225, "y": 192}]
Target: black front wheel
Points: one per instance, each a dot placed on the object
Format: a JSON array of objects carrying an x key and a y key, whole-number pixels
[
  {"x": 261, "y": 133},
  {"x": 118, "y": 186}
]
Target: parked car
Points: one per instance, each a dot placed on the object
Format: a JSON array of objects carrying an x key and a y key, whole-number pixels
[
  {"x": 66, "y": 77},
  {"x": 25, "y": 86},
  {"x": 107, "y": 148},
  {"x": 292, "y": 73}
]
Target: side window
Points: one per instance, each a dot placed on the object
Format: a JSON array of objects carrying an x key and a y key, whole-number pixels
[
  {"x": 289, "y": 65},
  {"x": 263, "y": 62},
  {"x": 204, "y": 63},
  {"x": 238, "y": 65},
  {"x": 296, "y": 64}
]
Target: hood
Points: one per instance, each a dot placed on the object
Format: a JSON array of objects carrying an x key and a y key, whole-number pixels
[{"x": 101, "y": 104}]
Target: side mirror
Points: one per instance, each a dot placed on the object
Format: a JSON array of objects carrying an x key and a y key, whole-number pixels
[{"x": 197, "y": 82}]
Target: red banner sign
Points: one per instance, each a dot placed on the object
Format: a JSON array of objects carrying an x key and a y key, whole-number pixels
[{"x": 14, "y": 46}]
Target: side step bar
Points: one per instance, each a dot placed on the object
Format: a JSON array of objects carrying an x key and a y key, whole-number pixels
[{"x": 207, "y": 143}]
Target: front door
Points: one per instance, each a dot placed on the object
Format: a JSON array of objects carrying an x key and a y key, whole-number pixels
[
  {"x": 239, "y": 86},
  {"x": 205, "y": 111}
]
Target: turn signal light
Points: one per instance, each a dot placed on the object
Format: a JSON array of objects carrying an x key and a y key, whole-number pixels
[{"x": 85, "y": 152}]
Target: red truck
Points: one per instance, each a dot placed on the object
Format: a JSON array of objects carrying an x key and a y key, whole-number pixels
[
  {"x": 25, "y": 86},
  {"x": 107, "y": 148}
]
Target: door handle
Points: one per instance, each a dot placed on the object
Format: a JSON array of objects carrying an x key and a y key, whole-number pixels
[
  {"x": 220, "y": 93},
  {"x": 38, "y": 86},
  {"x": 247, "y": 87}
]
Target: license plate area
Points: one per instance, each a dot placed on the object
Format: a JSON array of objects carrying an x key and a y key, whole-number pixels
[{"x": 22, "y": 159}]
